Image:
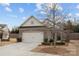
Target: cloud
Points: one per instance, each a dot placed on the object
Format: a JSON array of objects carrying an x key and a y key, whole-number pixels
[
  {"x": 77, "y": 6},
  {"x": 70, "y": 14},
  {"x": 77, "y": 14},
  {"x": 42, "y": 12},
  {"x": 8, "y": 9},
  {"x": 38, "y": 6},
  {"x": 5, "y": 4},
  {"x": 60, "y": 8},
  {"x": 21, "y": 10},
  {"x": 23, "y": 17}
]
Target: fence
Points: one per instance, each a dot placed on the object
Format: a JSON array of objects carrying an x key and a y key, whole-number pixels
[
  {"x": 74, "y": 36},
  {"x": 13, "y": 35}
]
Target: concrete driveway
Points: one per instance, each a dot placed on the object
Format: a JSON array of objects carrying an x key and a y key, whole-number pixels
[{"x": 20, "y": 49}]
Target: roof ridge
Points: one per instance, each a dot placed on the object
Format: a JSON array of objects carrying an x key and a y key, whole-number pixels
[{"x": 29, "y": 18}]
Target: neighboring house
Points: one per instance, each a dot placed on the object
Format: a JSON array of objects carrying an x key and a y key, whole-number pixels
[
  {"x": 32, "y": 30},
  {"x": 4, "y": 32}
]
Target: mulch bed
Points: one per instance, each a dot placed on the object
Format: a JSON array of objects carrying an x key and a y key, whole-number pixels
[{"x": 58, "y": 50}]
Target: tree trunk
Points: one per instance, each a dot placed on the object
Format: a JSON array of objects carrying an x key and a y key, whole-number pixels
[
  {"x": 48, "y": 36},
  {"x": 61, "y": 36},
  {"x": 55, "y": 39}
]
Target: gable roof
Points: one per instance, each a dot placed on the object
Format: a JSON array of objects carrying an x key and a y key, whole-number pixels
[
  {"x": 29, "y": 19},
  {"x": 3, "y": 27},
  {"x": 47, "y": 22}
]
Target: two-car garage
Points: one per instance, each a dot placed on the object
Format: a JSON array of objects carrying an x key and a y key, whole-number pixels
[{"x": 32, "y": 37}]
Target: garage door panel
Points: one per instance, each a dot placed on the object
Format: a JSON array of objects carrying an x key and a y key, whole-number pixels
[{"x": 32, "y": 37}]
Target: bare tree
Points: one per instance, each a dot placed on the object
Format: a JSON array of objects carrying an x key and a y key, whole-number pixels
[{"x": 55, "y": 17}]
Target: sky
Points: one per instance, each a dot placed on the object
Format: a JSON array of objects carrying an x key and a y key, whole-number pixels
[{"x": 14, "y": 14}]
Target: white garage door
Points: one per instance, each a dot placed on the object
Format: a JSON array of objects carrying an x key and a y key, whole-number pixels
[{"x": 31, "y": 37}]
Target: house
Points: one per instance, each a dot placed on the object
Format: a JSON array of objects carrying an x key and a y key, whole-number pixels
[
  {"x": 32, "y": 30},
  {"x": 4, "y": 32}
]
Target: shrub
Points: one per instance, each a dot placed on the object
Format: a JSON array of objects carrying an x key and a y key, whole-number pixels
[
  {"x": 45, "y": 40},
  {"x": 45, "y": 43},
  {"x": 19, "y": 40},
  {"x": 76, "y": 28},
  {"x": 1, "y": 35},
  {"x": 51, "y": 40}
]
